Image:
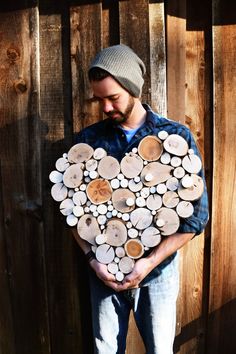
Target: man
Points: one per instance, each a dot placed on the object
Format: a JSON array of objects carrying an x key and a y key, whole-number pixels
[{"x": 151, "y": 289}]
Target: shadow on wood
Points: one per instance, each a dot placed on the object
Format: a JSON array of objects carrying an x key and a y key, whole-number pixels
[{"x": 222, "y": 320}]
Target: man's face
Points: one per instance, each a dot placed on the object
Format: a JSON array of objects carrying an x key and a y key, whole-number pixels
[{"x": 116, "y": 102}]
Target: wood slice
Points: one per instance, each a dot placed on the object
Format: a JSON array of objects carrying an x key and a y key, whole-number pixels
[
  {"x": 78, "y": 210},
  {"x": 91, "y": 165},
  {"x": 71, "y": 192},
  {"x": 124, "y": 183},
  {"x": 116, "y": 232},
  {"x": 175, "y": 161},
  {"x": 99, "y": 153},
  {"x": 187, "y": 181},
  {"x": 192, "y": 163},
  {"x": 160, "y": 173},
  {"x": 93, "y": 174},
  {"x": 59, "y": 192},
  {"x": 119, "y": 200},
  {"x": 145, "y": 192},
  {"x": 130, "y": 201},
  {"x": 99, "y": 191},
  {"x": 71, "y": 220},
  {"x": 150, "y": 148},
  {"x": 185, "y": 209},
  {"x": 125, "y": 217},
  {"x": 73, "y": 176},
  {"x": 126, "y": 265},
  {"x": 163, "y": 134},
  {"x": 120, "y": 252},
  {"x": 135, "y": 186},
  {"x": 120, "y": 176},
  {"x": 176, "y": 145},
  {"x": 102, "y": 219},
  {"x": 62, "y": 164},
  {"x": 172, "y": 184},
  {"x": 115, "y": 183},
  {"x": 66, "y": 206},
  {"x": 161, "y": 188},
  {"x": 119, "y": 276},
  {"x": 101, "y": 239},
  {"x": 88, "y": 228},
  {"x": 80, "y": 153},
  {"x": 105, "y": 254},
  {"x": 170, "y": 199},
  {"x": 141, "y": 218},
  {"x": 165, "y": 158},
  {"x": 79, "y": 198},
  {"x": 112, "y": 268},
  {"x": 102, "y": 209},
  {"x": 151, "y": 237},
  {"x": 171, "y": 221},
  {"x": 132, "y": 233},
  {"x": 160, "y": 222},
  {"x": 56, "y": 177},
  {"x": 108, "y": 167},
  {"x": 154, "y": 202},
  {"x": 131, "y": 165},
  {"x": 148, "y": 177},
  {"x": 140, "y": 202},
  {"x": 134, "y": 248},
  {"x": 192, "y": 193},
  {"x": 179, "y": 172}
]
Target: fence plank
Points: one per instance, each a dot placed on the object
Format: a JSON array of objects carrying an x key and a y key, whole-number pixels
[
  {"x": 134, "y": 15},
  {"x": 7, "y": 342},
  {"x": 21, "y": 183},
  {"x": 222, "y": 321},
  {"x": 157, "y": 57},
  {"x": 110, "y": 23},
  {"x": 176, "y": 52},
  {"x": 197, "y": 85},
  {"x": 86, "y": 41},
  {"x": 64, "y": 280}
]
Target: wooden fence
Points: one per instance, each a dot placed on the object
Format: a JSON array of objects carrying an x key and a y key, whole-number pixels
[{"x": 189, "y": 48}]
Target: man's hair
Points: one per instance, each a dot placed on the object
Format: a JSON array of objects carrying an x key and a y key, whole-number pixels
[{"x": 97, "y": 74}]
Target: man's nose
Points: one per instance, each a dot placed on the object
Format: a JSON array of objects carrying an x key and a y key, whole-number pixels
[{"x": 107, "y": 106}]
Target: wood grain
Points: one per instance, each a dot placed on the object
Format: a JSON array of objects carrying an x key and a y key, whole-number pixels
[
  {"x": 23, "y": 278},
  {"x": 86, "y": 41},
  {"x": 134, "y": 15},
  {"x": 158, "y": 57},
  {"x": 176, "y": 54},
  {"x": 61, "y": 257},
  {"x": 223, "y": 256}
]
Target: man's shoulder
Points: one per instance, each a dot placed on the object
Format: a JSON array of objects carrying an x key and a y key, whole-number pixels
[
  {"x": 94, "y": 134},
  {"x": 168, "y": 124},
  {"x": 98, "y": 126}
]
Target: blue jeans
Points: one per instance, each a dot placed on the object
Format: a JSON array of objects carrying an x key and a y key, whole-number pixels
[{"x": 154, "y": 307}]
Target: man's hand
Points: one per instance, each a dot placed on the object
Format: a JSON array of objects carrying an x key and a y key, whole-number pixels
[
  {"x": 141, "y": 268},
  {"x": 103, "y": 274}
]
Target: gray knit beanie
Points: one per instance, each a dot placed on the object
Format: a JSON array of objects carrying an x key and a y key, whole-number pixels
[{"x": 124, "y": 65}]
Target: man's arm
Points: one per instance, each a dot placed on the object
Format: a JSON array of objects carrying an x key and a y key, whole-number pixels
[
  {"x": 144, "y": 266},
  {"x": 100, "y": 269}
]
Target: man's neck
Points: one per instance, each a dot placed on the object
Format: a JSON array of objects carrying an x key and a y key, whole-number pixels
[{"x": 136, "y": 118}]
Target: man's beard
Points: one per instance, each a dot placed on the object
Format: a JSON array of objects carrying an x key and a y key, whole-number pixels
[{"x": 122, "y": 117}]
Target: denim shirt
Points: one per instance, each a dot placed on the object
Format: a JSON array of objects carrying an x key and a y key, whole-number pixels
[{"x": 107, "y": 135}]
